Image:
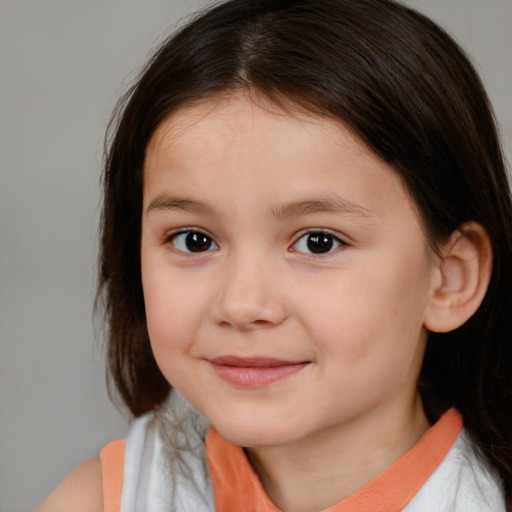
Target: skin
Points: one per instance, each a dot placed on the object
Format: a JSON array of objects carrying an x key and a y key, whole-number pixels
[
  {"x": 256, "y": 181},
  {"x": 80, "y": 491}
]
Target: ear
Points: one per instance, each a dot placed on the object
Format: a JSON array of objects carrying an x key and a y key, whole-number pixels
[{"x": 460, "y": 278}]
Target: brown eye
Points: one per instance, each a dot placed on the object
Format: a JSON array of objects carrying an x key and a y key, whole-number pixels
[
  {"x": 320, "y": 243},
  {"x": 317, "y": 243},
  {"x": 193, "y": 241}
]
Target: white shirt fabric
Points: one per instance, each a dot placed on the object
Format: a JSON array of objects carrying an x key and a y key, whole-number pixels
[{"x": 166, "y": 470}]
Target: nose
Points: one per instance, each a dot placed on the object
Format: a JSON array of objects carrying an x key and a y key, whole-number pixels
[{"x": 251, "y": 295}]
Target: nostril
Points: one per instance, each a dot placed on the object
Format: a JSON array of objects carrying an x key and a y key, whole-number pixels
[
  {"x": 255, "y": 324},
  {"x": 247, "y": 300},
  {"x": 254, "y": 316},
  {"x": 262, "y": 323}
]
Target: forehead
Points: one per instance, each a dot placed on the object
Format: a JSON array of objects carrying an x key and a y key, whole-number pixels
[
  {"x": 252, "y": 147},
  {"x": 240, "y": 114}
]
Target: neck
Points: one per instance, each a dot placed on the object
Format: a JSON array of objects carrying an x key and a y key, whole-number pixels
[{"x": 323, "y": 469}]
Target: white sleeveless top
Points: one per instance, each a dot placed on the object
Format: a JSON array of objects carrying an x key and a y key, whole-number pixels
[{"x": 160, "y": 479}]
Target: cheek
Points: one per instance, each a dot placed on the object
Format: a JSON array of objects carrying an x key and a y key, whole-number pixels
[
  {"x": 172, "y": 310},
  {"x": 367, "y": 314},
  {"x": 172, "y": 326}
]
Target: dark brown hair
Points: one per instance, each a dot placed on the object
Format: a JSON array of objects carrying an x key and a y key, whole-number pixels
[{"x": 409, "y": 92}]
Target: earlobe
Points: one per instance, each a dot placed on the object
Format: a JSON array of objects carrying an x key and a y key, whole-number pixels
[{"x": 460, "y": 278}]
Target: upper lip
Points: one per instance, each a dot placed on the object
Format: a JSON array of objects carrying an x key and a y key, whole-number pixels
[{"x": 252, "y": 362}]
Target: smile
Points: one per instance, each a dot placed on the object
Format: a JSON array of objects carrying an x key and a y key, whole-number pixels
[{"x": 254, "y": 372}]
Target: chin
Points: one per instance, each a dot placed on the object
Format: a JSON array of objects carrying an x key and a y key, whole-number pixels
[
  {"x": 253, "y": 439},
  {"x": 256, "y": 434}
]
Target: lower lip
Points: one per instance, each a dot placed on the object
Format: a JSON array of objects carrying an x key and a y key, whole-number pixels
[{"x": 255, "y": 376}]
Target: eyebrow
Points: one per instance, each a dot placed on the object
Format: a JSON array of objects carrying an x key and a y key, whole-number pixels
[
  {"x": 167, "y": 203},
  {"x": 332, "y": 203}
]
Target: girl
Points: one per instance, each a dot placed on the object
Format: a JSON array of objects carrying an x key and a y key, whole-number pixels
[{"x": 306, "y": 244}]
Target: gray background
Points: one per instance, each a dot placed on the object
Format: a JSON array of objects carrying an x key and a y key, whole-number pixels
[{"x": 63, "y": 63}]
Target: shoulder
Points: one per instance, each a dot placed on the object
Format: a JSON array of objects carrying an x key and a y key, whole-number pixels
[
  {"x": 80, "y": 491},
  {"x": 461, "y": 483},
  {"x": 480, "y": 481},
  {"x": 97, "y": 484}
]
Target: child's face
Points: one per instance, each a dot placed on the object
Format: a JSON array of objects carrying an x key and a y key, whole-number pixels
[{"x": 286, "y": 275}]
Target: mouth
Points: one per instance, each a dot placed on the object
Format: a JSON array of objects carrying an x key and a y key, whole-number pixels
[{"x": 254, "y": 372}]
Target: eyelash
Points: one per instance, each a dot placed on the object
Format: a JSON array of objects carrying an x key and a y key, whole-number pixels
[
  {"x": 330, "y": 241},
  {"x": 170, "y": 238},
  {"x": 333, "y": 242}
]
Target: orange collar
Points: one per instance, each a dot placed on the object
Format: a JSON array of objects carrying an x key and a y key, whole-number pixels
[{"x": 237, "y": 487}]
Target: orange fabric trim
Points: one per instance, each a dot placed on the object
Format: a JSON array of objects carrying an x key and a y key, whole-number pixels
[
  {"x": 112, "y": 461},
  {"x": 235, "y": 484},
  {"x": 237, "y": 487}
]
